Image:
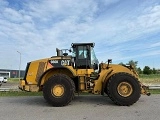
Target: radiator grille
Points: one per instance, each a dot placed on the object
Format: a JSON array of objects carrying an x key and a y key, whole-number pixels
[{"x": 40, "y": 70}]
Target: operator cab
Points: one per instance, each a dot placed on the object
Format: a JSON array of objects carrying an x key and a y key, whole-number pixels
[{"x": 84, "y": 56}]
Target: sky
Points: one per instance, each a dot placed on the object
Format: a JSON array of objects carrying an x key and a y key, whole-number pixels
[{"x": 122, "y": 30}]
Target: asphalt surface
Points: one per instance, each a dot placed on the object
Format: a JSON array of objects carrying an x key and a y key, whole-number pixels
[
  {"x": 81, "y": 108},
  {"x": 11, "y": 85}
]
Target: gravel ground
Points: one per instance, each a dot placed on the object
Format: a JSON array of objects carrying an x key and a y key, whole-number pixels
[{"x": 81, "y": 108}]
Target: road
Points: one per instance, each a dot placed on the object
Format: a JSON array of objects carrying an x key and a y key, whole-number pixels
[
  {"x": 81, "y": 108},
  {"x": 10, "y": 85}
]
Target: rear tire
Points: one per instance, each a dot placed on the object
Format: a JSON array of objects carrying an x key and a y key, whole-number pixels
[
  {"x": 123, "y": 89},
  {"x": 59, "y": 90}
]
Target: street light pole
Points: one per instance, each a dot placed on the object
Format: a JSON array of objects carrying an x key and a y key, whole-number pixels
[{"x": 19, "y": 64}]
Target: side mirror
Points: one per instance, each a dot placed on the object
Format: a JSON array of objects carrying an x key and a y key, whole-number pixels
[
  {"x": 95, "y": 66},
  {"x": 70, "y": 50},
  {"x": 109, "y": 61}
]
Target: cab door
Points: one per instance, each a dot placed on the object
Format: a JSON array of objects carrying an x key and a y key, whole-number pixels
[{"x": 83, "y": 58}]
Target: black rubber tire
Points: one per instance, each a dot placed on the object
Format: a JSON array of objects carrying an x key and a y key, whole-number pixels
[
  {"x": 118, "y": 99},
  {"x": 69, "y": 89},
  {"x": 105, "y": 90}
]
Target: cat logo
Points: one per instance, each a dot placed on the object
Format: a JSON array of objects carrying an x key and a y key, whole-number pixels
[{"x": 65, "y": 62}]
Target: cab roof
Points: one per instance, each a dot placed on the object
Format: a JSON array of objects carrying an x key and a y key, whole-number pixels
[{"x": 82, "y": 44}]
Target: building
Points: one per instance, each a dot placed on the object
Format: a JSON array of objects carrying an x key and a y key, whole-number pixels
[{"x": 11, "y": 73}]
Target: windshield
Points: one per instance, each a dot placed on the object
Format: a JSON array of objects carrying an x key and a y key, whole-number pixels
[
  {"x": 73, "y": 52},
  {"x": 94, "y": 59},
  {"x": 85, "y": 55},
  {"x": 82, "y": 52}
]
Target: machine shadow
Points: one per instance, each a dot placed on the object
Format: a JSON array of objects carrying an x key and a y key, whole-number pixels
[
  {"x": 92, "y": 100},
  {"x": 39, "y": 101}
]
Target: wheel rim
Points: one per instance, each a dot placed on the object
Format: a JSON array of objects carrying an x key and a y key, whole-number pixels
[
  {"x": 125, "y": 89},
  {"x": 58, "y": 90}
]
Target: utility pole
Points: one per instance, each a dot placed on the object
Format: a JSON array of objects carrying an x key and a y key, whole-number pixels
[{"x": 19, "y": 65}]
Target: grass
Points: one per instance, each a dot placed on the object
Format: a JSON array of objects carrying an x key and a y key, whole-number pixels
[
  {"x": 155, "y": 91},
  {"x": 13, "y": 79},
  {"x": 150, "y": 79}
]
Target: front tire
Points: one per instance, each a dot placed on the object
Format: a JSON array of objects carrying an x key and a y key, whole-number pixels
[
  {"x": 123, "y": 89},
  {"x": 59, "y": 90}
]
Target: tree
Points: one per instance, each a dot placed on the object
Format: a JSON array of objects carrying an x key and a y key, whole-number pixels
[
  {"x": 121, "y": 63},
  {"x": 133, "y": 63},
  {"x": 147, "y": 70},
  {"x": 154, "y": 71},
  {"x": 139, "y": 70}
]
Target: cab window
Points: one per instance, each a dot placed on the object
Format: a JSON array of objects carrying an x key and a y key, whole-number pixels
[{"x": 82, "y": 52}]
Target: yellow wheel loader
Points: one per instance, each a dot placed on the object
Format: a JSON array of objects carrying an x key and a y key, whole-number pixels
[{"x": 63, "y": 75}]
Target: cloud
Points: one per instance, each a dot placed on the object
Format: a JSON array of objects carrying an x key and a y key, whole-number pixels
[
  {"x": 130, "y": 33},
  {"x": 155, "y": 44},
  {"x": 37, "y": 28},
  {"x": 150, "y": 19},
  {"x": 44, "y": 25}
]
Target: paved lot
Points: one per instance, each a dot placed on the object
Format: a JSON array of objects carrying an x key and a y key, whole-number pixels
[
  {"x": 11, "y": 85},
  {"x": 81, "y": 108}
]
